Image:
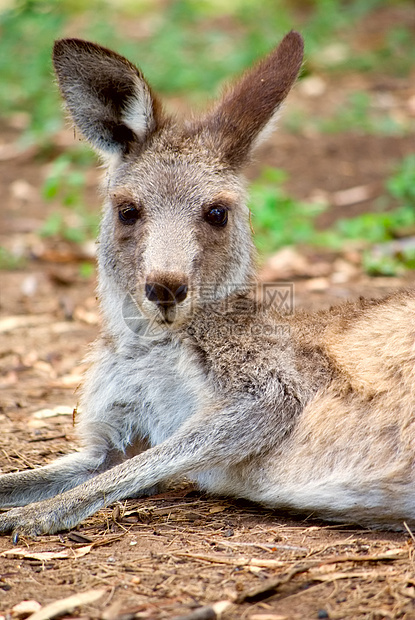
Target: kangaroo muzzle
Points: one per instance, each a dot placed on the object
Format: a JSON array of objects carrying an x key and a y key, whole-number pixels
[{"x": 166, "y": 291}]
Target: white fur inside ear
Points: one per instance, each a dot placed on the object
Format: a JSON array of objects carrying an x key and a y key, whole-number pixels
[
  {"x": 138, "y": 113},
  {"x": 268, "y": 129}
]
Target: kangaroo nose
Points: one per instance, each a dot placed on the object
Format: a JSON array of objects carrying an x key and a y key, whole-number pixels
[{"x": 166, "y": 292}]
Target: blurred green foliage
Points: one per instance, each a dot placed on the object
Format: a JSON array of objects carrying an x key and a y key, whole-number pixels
[
  {"x": 9, "y": 260},
  {"x": 187, "y": 48},
  {"x": 66, "y": 181},
  {"x": 360, "y": 114},
  {"x": 279, "y": 220}
]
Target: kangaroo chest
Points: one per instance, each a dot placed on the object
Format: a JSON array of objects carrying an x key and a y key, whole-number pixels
[{"x": 165, "y": 385}]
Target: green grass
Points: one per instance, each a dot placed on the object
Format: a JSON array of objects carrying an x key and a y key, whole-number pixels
[
  {"x": 9, "y": 261},
  {"x": 361, "y": 114},
  {"x": 394, "y": 55},
  {"x": 66, "y": 182},
  {"x": 279, "y": 220},
  {"x": 186, "y": 47}
]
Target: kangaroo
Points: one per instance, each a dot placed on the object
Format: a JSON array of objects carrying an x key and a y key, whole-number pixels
[{"x": 193, "y": 374}]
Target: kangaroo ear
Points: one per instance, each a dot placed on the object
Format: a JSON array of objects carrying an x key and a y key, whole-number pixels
[
  {"x": 106, "y": 95},
  {"x": 248, "y": 111}
]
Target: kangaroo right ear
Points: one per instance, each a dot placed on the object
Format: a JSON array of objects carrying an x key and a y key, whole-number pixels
[
  {"x": 247, "y": 112},
  {"x": 106, "y": 95}
]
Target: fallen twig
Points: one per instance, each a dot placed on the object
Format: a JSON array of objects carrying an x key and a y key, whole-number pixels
[
  {"x": 409, "y": 531},
  {"x": 10, "y": 323},
  {"x": 268, "y": 587},
  {"x": 241, "y": 561},
  {"x": 153, "y": 511},
  {"x": 37, "y": 439},
  {"x": 270, "y": 547},
  {"x": 388, "y": 556},
  {"x": 353, "y": 195}
]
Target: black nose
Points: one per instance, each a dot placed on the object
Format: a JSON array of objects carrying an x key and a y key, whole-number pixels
[{"x": 166, "y": 292}]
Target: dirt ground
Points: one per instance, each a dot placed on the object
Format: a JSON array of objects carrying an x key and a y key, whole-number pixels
[{"x": 170, "y": 555}]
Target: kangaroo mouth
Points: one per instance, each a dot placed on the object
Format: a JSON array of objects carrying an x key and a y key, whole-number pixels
[
  {"x": 166, "y": 314},
  {"x": 152, "y": 319}
]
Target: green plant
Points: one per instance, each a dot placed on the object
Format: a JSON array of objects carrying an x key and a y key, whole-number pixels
[
  {"x": 360, "y": 114},
  {"x": 86, "y": 270},
  {"x": 394, "y": 54},
  {"x": 402, "y": 184},
  {"x": 66, "y": 182},
  {"x": 280, "y": 220},
  {"x": 9, "y": 261},
  {"x": 377, "y": 227},
  {"x": 208, "y": 40},
  {"x": 398, "y": 256},
  {"x": 26, "y": 36},
  {"x": 376, "y": 263}
]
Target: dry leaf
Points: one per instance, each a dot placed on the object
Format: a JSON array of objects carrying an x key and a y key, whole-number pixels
[
  {"x": 21, "y": 190},
  {"x": 51, "y": 413},
  {"x": 25, "y": 608},
  {"x": 317, "y": 284},
  {"x": 9, "y": 323},
  {"x": 216, "y": 509},
  {"x": 374, "y": 574},
  {"x": 86, "y": 316},
  {"x": 45, "y": 556},
  {"x": 286, "y": 263},
  {"x": 353, "y": 195},
  {"x": 71, "y": 380},
  {"x": 313, "y": 86},
  {"x": 67, "y": 605}
]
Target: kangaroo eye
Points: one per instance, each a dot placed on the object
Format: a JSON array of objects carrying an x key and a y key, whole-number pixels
[
  {"x": 128, "y": 215},
  {"x": 217, "y": 216}
]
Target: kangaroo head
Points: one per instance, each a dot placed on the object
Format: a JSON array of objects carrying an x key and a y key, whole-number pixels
[{"x": 175, "y": 228}]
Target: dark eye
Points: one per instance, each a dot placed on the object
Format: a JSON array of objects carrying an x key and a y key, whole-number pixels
[
  {"x": 128, "y": 214},
  {"x": 217, "y": 215}
]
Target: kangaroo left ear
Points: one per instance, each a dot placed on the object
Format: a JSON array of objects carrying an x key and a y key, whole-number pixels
[
  {"x": 248, "y": 110},
  {"x": 106, "y": 95}
]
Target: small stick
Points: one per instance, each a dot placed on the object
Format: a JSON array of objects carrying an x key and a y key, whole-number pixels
[
  {"x": 269, "y": 587},
  {"x": 237, "y": 562},
  {"x": 409, "y": 531},
  {"x": 37, "y": 439},
  {"x": 266, "y": 546}
]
